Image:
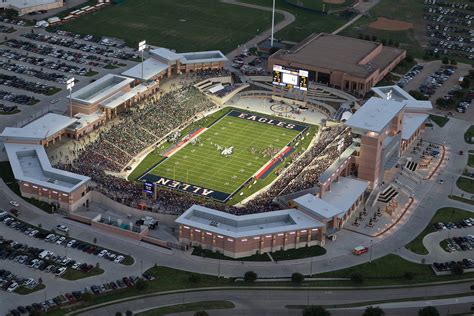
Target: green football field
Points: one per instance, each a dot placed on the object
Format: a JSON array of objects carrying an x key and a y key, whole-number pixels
[
  {"x": 184, "y": 25},
  {"x": 201, "y": 163}
]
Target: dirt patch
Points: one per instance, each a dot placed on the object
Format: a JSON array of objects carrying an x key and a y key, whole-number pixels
[
  {"x": 390, "y": 25},
  {"x": 334, "y": 1}
]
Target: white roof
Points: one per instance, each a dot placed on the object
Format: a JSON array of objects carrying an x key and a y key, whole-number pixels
[
  {"x": 165, "y": 54},
  {"x": 318, "y": 207},
  {"x": 411, "y": 122},
  {"x": 246, "y": 225},
  {"x": 101, "y": 88},
  {"x": 39, "y": 129},
  {"x": 396, "y": 93},
  {"x": 151, "y": 68},
  {"x": 86, "y": 119},
  {"x": 31, "y": 164},
  {"x": 375, "y": 115},
  {"x": 345, "y": 192},
  {"x": 211, "y": 56},
  {"x": 121, "y": 97},
  {"x": 22, "y": 4}
]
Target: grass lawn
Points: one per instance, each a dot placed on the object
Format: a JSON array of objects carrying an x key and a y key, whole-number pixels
[
  {"x": 189, "y": 307},
  {"x": 25, "y": 291},
  {"x": 439, "y": 120},
  {"x": 320, "y": 5},
  {"x": 205, "y": 253},
  {"x": 91, "y": 73},
  {"x": 6, "y": 173},
  {"x": 469, "y": 135},
  {"x": 306, "y": 22},
  {"x": 446, "y": 214},
  {"x": 465, "y": 184},
  {"x": 299, "y": 253},
  {"x": 72, "y": 274},
  {"x": 461, "y": 199},
  {"x": 470, "y": 161},
  {"x": 391, "y": 269},
  {"x": 11, "y": 112},
  {"x": 186, "y": 25},
  {"x": 405, "y": 10}
]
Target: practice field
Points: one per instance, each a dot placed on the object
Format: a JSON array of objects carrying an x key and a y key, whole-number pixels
[
  {"x": 184, "y": 25},
  {"x": 254, "y": 140}
]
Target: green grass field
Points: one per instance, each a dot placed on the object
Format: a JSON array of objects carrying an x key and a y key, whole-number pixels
[
  {"x": 320, "y": 5},
  {"x": 185, "y": 25},
  {"x": 202, "y": 164},
  {"x": 411, "y": 11}
]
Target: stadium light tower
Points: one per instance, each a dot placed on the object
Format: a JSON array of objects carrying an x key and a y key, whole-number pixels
[
  {"x": 273, "y": 24},
  {"x": 69, "y": 86},
  {"x": 141, "y": 48}
]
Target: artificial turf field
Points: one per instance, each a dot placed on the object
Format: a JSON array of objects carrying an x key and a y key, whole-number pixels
[
  {"x": 184, "y": 25},
  {"x": 202, "y": 164}
]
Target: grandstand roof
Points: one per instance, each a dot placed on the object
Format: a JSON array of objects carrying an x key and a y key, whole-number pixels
[
  {"x": 411, "y": 122},
  {"x": 345, "y": 192},
  {"x": 100, "y": 89},
  {"x": 30, "y": 163},
  {"x": 39, "y": 129},
  {"x": 166, "y": 54},
  {"x": 317, "y": 207},
  {"x": 246, "y": 225},
  {"x": 151, "y": 68},
  {"x": 375, "y": 115}
]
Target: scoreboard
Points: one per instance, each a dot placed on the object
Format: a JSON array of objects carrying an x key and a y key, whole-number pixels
[
  {"x": 290, "y": 77},
  {"x": 148, "y": 187}
]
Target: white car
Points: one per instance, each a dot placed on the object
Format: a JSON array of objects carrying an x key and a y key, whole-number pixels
[
  {"x": 119, "y": 259},
  {"x": 62, "y": 228},
  {"x": 12, "y": 287},
  {"x": 102, "y": 253},
  {"x": 14, "y": 203},
  {"x": 60, "y": 240},
  {"x": 71, "y": 243}
]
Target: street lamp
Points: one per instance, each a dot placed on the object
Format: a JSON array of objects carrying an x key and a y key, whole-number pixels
[
  {"x": 273, "y": 24},
  {"x": 69, "y": 86},
  {"x": 371, "y": 246},
  {"x": 141, "y": 48}
]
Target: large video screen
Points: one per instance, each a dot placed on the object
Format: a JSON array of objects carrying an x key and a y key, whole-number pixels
[{"x": 290, "y": 77}]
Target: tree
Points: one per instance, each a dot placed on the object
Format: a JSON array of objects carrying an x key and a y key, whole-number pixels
[
  {"x": 374, "y": 38},
  {"x": 445, "y": 60},
  {"x": 409, "y": 275},
  {"x": 201, "y": 313},
  {"x": 428, "y": 311},
  {"x": 453, "y": 62},
  {"x": 357, "y": 277},
  {"x": 141, "y": 285},
  {"x": 373, "y": 311},
  {"x": 95, "y": 240},
  {"x": 367, "y": 37},
  {"x": 409, "y": 58},
  {"x": 297, "y": 277},
  {"x": 118, "y": 314},
  {"x": 466, "y": 83},
  {"x": 417, "y": 95},
  {"x": 250, "y": 276},
  {"x": 40, "y": 281},
  {"x": 129, "y": 313},
  {"x": 194, "y": 278},
  {"x": 384, "y": 42},
  {"x": 457, "y": 269},
  {"x": 315, "y": 310},
  {"x": 390, "y": 42},
  {"x": 87, "y": 297}
]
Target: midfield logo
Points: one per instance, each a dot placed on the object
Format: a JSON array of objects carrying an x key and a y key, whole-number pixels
[{"x": 266, "y": 120}]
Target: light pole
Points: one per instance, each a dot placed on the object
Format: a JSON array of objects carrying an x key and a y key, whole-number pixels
[
  {"x": 311, "y": 268},
  {"x": 141, "y": 268},
  {"x": 371, "y": 246},
  {"x": 69, "y": 86},
  {"x": 273, "y": 24},
  {"x": 452, "y": 186},
  {"x": 141, "y": 48}
]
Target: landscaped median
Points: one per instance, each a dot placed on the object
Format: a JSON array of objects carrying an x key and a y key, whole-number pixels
[
  {"x": 466, "y": 184},
  {"x": 446, "y": 214},
  {"x": 189, "y": 307},
  {"x": 386, "y": 271},
  {"x": 439, "y": 120}
]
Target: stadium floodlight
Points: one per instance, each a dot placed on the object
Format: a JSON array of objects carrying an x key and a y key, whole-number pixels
[
  {"x": 141, "y": 48},
  {"x": 273, "y": 24},
  {"x": 69, "y": 85}
]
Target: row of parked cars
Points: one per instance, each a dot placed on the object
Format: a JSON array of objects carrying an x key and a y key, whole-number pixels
[
  {"x": 436, "y": 80},
  {"x": 460, "y": 243},
  {"x": 67, "y": 39},
  {"x": 449, "y": 28},
  {"x": 412, "y": 73},
  {"x": 58, "y": 239},
  {"x": 448, "y": 266},
  {"x": 12, "y": 21},
  {"x": 17, "y": 98},
  {"x": 32, "y": 72},
  {"x": 74, "y": 296},
  {"x": 7, "y": 29},
  {"x": 20, "y": 83},
  {"x": 10, "y": 282},
  {"x": 51, "y": 51},
  {"x": 7, "y": 108},
  {"x": 467, "y": 222}
]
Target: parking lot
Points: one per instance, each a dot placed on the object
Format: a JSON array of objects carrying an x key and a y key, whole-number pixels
[{"x": 449, "y": 28}]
